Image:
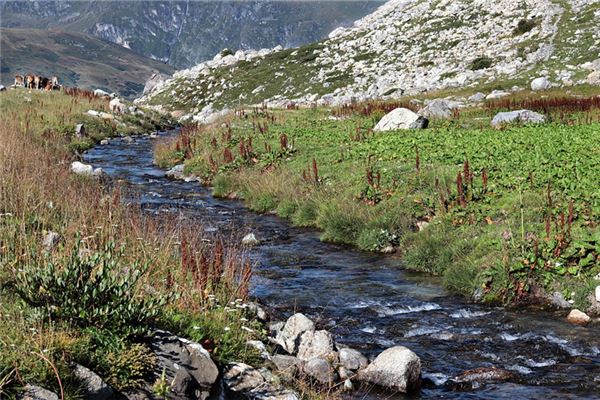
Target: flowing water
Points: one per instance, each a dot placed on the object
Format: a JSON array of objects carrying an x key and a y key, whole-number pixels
[{"x": 370, "y": 302}]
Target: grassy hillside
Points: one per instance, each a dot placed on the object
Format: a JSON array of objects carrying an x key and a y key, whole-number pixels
[
  {"x": 77, "y": 59},
  {"x": 511, "y": 214}
]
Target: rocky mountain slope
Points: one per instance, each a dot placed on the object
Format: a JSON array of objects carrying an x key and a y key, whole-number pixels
[
  {"x": 183, "y": 33},
  {"x": 77, "y": 59},
  {"x": 405, "y": 47}
]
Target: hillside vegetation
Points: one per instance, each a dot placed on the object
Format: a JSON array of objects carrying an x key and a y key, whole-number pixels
[
  {"x": 407, "y": 48},
  {"x": 77, "y": 59},
  {"x": 503, "y": 215}
]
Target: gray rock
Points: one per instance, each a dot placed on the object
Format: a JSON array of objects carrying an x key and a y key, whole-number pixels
[
  {"x": 316, "y": 344},
  {"x": 178, "y": 358},
  {"x": 483, "y": 375},
  {"x": 496, "y": 94},
  {"x": 258, "y": 311},
  {"x": 288, "y": 366},
  {"x": 396, "y": 368},
  {"x": 176, "y": 172},
  {"x": 50, "y": 241},
  {"x": 400, "y": 118},
  {"x": 155, "y": 82},
  {"x": 559, "y": 301},
  {"x": 240, "y": 377},
  {"x": 94, "y": 386},
  {"x": 477, "y": 97},
  {"x": 352, "y": 359},
  {"x": 250, "y": 240},
  {"x": 260, "y": 347},
  {"x": 32, "y": 392},
  {"x": 438, "y": 108},
  {"x": 128, "y": 139},
  {"x": 348, "y": 386},
  {"x": 320, "y": 370},
  {"x": 80, "y": 131},
  {"x": 593, "y": 78},
  {"x": 294, "y": 327},
  {"x": 519, "y": 116},
  {"x": 541, "y": 83}
]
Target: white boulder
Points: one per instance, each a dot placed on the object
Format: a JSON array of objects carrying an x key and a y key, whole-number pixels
[
  {"x": 541, "y": 83},
  {"x": 401, "y": 118},
  {"x": 519, "y": 116},
  {"x": 396, "y": 368}
]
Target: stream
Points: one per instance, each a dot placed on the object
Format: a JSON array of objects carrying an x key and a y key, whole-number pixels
[{"x": 369, "y": 302}]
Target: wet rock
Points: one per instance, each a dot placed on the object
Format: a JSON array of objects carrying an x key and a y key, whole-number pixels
[
  {"x": 389, "y": 249},
  {"x": 128, "y": 139},
  {"x": 176, "y": 172},
  {"x": 50, "y": 241},
  {"x": 80, "y": 168},
  {"x": 288, "y": 366},
  {"x": 396, "y": 368},
  {"x": 541, "y": 83},
  {"x": 250, "y": 240},
  {"x": 483, "y": 375},
  {"x": 519, "y": 116},
  {"x": 94, "y": 386},
  {"x": 320, "y": 370},
  {"x": 294, "y": 327},
  {"x": 316, "y": 344},
  {"x": 477, "y": 295},
  {"x": 240, "y": 377},
  {"x": 32, "y": 392},
  {"x": 80, "y": 131},
  {"x": 104, "y": 142},
  {"x": 559, "y": 301},
  {"x": 578, "y": 317},
  {"x": 401, "y": 118},
  {"x": 352, "y": 359}
]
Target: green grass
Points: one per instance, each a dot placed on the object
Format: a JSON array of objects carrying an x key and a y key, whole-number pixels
[{"x": 496, "y": 241}]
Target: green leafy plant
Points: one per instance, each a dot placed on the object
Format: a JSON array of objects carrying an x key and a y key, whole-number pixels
[
  {"x": 94, "y": 290},
  {"x": 481, "y": 63}
]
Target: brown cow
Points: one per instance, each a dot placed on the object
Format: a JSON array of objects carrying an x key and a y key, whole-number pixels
[
  {"x": 29, "y": 79},
  {"x": 19, "y": 80}
]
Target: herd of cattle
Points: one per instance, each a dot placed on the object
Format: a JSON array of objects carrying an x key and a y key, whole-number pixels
[{"x": 37, "y": 82}]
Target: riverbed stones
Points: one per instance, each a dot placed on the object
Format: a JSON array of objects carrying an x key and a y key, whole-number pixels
[
  {"x": 176, "y": 172},
  {"x": 401, "y": 118},
  {"x": 240, "y": 377},
  {"x": 321, "y": 371},
  {"x": 519, "y": 116},
  {"x": 541, "y": 83},
  {"x": 95, "y": 388},
  {"x": 578, "y": 317},
  {"x": 397, "y": 368},
  {"x": 471, "y": 378},
  {"x": 352, "y": 359},
  {"x": 557, "y": 299},
  {"x": 32, "y": 392},
  {"x": 316, "y": 344},
  {"x": 294, "y": 327},
  {"x": 260, "y": 347},
  {"x": 288, "y": 367}
]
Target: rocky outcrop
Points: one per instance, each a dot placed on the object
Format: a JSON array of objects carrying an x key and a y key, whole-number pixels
[
  {"x": 519, "y": 116},
  {"x": 289, "y": 335},
  {"x": 401, "y": 118},
  {"x": 396, "y": 368}
]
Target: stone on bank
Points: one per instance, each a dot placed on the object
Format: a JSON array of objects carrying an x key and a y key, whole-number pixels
[
  {"x": 401, "y": 118},
  {"x": 397, "y": 368}
]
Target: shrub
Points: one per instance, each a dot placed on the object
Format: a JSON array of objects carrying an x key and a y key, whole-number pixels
[
  {"x": 130, "y": 367},
  {"x": 524, "y": 26},
  {"x": 94, "y": 291},
  {"x": 481, "y": 63}
]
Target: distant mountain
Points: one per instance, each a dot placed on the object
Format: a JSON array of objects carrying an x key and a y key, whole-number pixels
[
  {"x": 406, "y": 47},
  {"x": 77, "y": 59},
  {"x": 184, "y": 33}
]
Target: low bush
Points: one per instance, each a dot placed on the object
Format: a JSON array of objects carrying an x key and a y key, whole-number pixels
[{"x": 481, "y": 63}]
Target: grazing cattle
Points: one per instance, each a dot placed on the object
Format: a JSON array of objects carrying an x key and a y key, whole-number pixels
[
  {"x": 19, "y": 80},
  {"x": 55, "y": 84},
  {"x": 116, "y": 107},
  {"x": 29, "y": 81},
  {"x": 36, "y": 81}
]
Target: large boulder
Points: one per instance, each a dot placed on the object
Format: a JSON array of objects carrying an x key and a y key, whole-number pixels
[
  {"x": 288, "y": 338},
  {"x": 593, "y": 78},
  {"x": 401, "y": 118},
  {"x": 288, "y": 367},
  {"x": 519, "y": 116},
  {"x": 320, "y": 370},
  {"x": 316, "y": 344},
  {"x": 397, "y": 368},
  {"x": 240, "y": 377},
  {"x": 352, "y": 359},
  {"x": 438, "y": 108},
  {"x": 185, "y": 363},
  {"x": 95, "y": 388},
  {"x": 155, "y": 82},
  {"x": 541, "y": 83}
]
